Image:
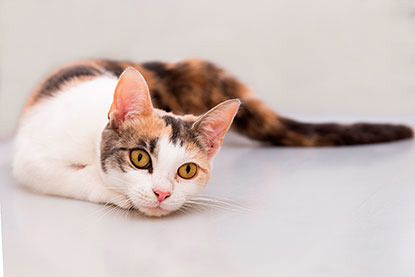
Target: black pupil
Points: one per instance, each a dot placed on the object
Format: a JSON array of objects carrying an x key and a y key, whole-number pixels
[
  {"x": 188, "y": 169},
  {"x": 140, "y": 156}
]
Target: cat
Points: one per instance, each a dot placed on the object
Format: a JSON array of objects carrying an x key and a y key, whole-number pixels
[{"x": 143, "y": 136}]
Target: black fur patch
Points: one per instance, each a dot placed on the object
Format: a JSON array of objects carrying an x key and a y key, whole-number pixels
[
  {"x": 247, "y": 117},
  {"x": 176, "y": 127},
  {"x": 159, "y": 68},
  {"x": 180, "y": 85},
  {"x": 181, "y": 130},
  {"x": 153, "y": 144},
  {"x": 54, "y": 82},
  {"x": 327, "y": 134},
  {"x": 158, "y": 101},
  {"x": 114, "y": 67}
]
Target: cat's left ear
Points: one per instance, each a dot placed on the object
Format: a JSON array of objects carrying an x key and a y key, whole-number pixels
[
  {"x": 131, "y": 97},
  {"x": 213, "y": 125}
]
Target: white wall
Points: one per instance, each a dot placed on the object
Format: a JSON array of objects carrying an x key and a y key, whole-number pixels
[
  {"x": 310, "y": 57},
  {"x": 1, "y": 249}
]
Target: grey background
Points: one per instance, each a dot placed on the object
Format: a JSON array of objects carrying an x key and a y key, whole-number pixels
[
  {"x": 311, "y": 212},
  {"x": 306, "y": 57}
]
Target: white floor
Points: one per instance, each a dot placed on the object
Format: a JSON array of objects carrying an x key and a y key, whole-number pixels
[{"x": 311, "y": 212}]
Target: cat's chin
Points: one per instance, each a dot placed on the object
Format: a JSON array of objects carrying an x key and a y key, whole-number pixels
[{"x": 156, "y": 212}]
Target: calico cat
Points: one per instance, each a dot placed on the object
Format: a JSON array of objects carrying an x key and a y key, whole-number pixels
[{"x": 100, "y": 131}]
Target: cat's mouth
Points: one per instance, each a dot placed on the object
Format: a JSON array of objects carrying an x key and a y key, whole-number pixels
[{"x": 154, "y": 211}]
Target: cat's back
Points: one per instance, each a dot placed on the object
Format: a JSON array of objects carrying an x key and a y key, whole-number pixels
[
  {"x": 64, "y": 79},
  {"x": 65, "y": 115},
  {"x": 66, "y": 98}
]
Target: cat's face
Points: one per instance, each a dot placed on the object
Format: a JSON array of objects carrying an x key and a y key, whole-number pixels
[
  {"x": 158, "y": 160},
  {"x": 155, "y": 154}
]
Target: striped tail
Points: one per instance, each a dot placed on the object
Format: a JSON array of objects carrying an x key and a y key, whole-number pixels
[{"x": 258, "y": 122}]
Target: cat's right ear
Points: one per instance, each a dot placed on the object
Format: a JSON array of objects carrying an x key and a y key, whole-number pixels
[
  {"x": 131, "y": 98},
  {"x": 213, "y": 125}
]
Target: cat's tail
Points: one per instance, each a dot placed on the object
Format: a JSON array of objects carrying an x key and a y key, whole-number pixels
[{"x": 258, "y": 122}]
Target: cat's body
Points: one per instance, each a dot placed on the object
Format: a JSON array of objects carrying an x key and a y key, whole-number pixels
[
  {"x": 60, "y": 133},
  {"x": 61, "y": 148}
]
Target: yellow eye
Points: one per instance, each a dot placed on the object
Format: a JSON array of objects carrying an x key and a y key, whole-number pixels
[
  {"x": 187, "y": 171},
  {"x": 140, "y": 159}
]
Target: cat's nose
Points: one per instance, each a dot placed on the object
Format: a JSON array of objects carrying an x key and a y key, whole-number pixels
[{"x": 161, "y": 195}]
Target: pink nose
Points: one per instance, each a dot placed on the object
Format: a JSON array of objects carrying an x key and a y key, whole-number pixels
[{"x": 161, "y": 195}]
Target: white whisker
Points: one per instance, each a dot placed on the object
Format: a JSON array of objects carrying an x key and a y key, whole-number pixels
[{"x": 216, "y": 202}]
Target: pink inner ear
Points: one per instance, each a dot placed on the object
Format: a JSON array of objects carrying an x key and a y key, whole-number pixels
[
  {"x": 131, "y": 97},
  {"x": 214, "y": 133},
  {"x": 215, "y": 123}
]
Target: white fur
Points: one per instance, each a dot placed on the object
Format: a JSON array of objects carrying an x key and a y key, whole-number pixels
[{"x": 62, "y": 131}]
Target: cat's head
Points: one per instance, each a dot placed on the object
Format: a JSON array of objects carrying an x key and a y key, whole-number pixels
[{"x": 156, "y": 159}]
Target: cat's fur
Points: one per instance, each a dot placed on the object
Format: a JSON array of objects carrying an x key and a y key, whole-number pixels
[{"x": 67, "y": 146}]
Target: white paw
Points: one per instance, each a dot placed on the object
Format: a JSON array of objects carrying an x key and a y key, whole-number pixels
[{"x": 107, "y": 196}]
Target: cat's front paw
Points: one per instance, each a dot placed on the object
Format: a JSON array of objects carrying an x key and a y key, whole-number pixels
[{"x": 107, "y": 196}]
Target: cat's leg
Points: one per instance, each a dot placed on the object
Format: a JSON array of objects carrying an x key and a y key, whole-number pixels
[{"x": 54, "y": 177}]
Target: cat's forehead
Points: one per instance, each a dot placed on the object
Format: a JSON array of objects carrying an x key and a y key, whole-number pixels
[{"x": 147, "y": 132}]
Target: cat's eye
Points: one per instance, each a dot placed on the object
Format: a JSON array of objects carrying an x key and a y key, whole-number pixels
[
  {"x": 187, "y": 171},
  {"x": 140, "y": 158}
]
